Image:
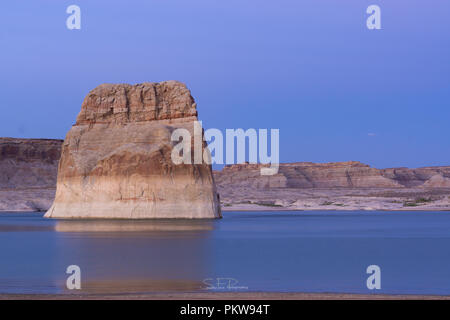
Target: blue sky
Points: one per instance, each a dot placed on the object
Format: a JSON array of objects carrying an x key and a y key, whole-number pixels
[{"x": 336, "y": 90}]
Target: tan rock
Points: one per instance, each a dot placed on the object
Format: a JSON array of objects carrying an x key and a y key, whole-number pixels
[
  {"x": 116, "y": 160},
  {"x": 28, "y": 163},
  {"x": 28, "y": 170},
  {"x": 333, "y": 186},
  {"x": 351, "y": 174},
  {"x": 437, "y": 181}
]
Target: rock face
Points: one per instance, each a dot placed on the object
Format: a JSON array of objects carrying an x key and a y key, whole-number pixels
[
  {"x": 28, "y": 170},
  {"x": 116, "y": 160}
]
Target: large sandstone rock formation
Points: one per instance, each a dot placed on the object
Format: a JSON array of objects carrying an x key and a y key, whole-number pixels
[
  {"x": 116, "y": 160},
  {"x": 28, "y": 170}
]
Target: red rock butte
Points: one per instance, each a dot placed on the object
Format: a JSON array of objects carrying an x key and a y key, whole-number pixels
[{"x": 116, "y": 160}]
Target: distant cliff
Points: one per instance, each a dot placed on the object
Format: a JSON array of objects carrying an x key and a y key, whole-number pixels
[
  {"x": 352, "y": 174},
  {"x": 28, "y": 170},
  {"x": 28, "y": 163},
  {"x": 333, "y": 186}
]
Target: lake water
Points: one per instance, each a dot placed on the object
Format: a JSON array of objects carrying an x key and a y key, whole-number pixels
[{"x": 244, "y": 251}]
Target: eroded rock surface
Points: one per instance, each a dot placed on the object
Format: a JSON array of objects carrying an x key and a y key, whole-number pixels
[
  {"x": 28, "y": 170},
  {"x": 116, "y": 160},
  {"x": 351, "y": 174}
]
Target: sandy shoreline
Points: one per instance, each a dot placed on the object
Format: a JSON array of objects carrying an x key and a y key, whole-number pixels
[{"x": 222, "y": 296}]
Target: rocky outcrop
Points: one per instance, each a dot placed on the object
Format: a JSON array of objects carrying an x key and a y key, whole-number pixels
[
  {"x": 437, "y": 181},
  {"x": 28, "y": 170},
  {"x": 116, "y": 160}
]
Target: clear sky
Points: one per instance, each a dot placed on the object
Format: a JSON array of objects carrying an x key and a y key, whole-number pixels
[{"x": 336, "y": 90}]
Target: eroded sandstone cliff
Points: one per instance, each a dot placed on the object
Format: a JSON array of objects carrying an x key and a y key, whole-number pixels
[
  {"x": 334, "y": 186},
  {"x": 28, "y": 170},
  {"x": 116, "y": 160},
  {"x": 351, "y": 174}
]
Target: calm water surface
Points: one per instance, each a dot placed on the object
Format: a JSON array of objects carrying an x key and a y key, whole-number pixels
[{"x": 245, "y": 251}]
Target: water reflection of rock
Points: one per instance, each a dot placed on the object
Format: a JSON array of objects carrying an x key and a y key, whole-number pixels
[
  {"x": 142, "y": 285},
  {"x": 137, "y": 256},
  {"x": 132, "y": 225}
]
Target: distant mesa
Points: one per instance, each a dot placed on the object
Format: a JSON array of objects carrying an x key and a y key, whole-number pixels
[
  {"x": 28, "y": 163},
  {"x": 333, "y": 186},
  {"x": 116, "y": 160},
  {"x": 351, "y": 174},
  {"x": 28, "y": 169}
]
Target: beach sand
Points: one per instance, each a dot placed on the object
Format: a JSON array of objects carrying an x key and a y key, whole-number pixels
[{"x": 222, "y": 296}]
